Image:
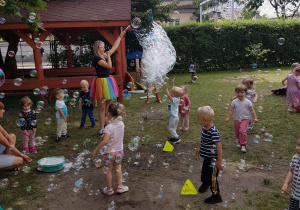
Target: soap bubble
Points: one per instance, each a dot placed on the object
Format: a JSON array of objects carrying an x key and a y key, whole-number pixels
[
  {"x": 191, "y": 169},
  {"x": 48, "y": 121},
  {"x": 76, "y": 94},
  {"x": 219, "y": 97},
  {"x": 37, "y": 40},
  {"x": 268, "y": 137},
  {"x": 26, "y": 169},
  {"x": 65, "y": 91},
  {"x": 28, "y": 189},
  {"x": 111, "y": 206},
  {"x": 2, "y": 95},
  {"x": 2, "y": 3},
  {"x": 118, "y": 158},
  {"x": 271, "y": 83},
  {"x": 278, "y": 71},
  {"x": 39, "y": 45},
  {"x": 129, "y": 85},
  {"x": 18, "y": 82},
  {"x": 44, "y": 90},
  {"x": 2, "y": 77},
  {"x": 40, "y": 104},
  {"x": 50, "y": 187},
  {"x": 151, "y": 158},
  {"x": 75, "y": 147},
  {"x": 20, "y": 122},
  {"x": 281, "y": 41},
  {"x": 16, "y": 184},
  {"x": 64, "y": 81},
  {"x": 4, "y": 182},
  {"x": 128, "y": 96},
  {"x": 125, "y": 92},
  {"x": 45, "y": 138},
  {"x": 175, "y": 15},
  {"x": 256, "y": 139},
  {"x": 66, "y": 97},
  {"x": 33, "y": 122},
  {"x": 111, "y": 154},
  {"x": 36, "y": 91},
  {"x": 33, "y": 73},
  {"x": 51, "y": 178},
  {"x": 37, "y": 110},
  {"x": 91, "y": 192},
  {"x": 97, "y": 162},
  {"x": 79, "y": 182},
  {"x": 254, "y": 65},
  {"x": 76, "y": 171},
  {"x": 136, "y": 22},
  {"x": 72, "y": 101},
  {"x": 31, "y": 17},
  {"x": 124, "y": 176},
  {"x": 260, "y": 109},
  {"x": 11, "y": 53},
  {"x": 166, "y": 164},
  {"x": 133, "y": 145},
  {"x": 165, "y": 98},
  {"x": 159, "y": 55},
  {"x": 2, "y": 20}
]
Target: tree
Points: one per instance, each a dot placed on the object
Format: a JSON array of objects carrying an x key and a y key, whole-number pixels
[
  {"x": 14, "y": 7},
  {"x": 160, "y": 13},
  {"x": 279, "y": 5}
]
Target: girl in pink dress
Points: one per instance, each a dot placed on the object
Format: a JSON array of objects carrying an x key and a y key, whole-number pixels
[
  {"x": 184, "y": 109},
  {"x": 293, "y": 86}
]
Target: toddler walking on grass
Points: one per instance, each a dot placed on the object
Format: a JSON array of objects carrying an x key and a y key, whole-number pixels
[
  {"x": 211, "y": 150},
  {"x": 242, "y": 107},
  {"x": 294, "y": 176},
  {"x": 113, "y": 140}
]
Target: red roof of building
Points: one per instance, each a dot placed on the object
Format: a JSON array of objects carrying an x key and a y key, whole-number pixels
[{"x": 81, "y": 11}]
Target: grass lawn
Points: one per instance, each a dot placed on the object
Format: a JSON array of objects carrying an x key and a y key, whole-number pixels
[{"x": 206, "y": 91}]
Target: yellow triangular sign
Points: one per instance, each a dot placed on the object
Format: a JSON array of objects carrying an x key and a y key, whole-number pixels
[
  {"x": 168, "y": 147},
  {"x": 188, "y": 188}
]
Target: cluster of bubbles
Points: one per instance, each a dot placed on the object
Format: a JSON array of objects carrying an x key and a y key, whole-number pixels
[
  {"x": 159, "y": 55},
  {"x": 268, "y": 137},
  {"x": 133, "y": 145}
]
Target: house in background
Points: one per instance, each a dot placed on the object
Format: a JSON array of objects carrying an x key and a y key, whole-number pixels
[
  {"x": 223, "y": 11},
  {"x": 184, "y": 13}
]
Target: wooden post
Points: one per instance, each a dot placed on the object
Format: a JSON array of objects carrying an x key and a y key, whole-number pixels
[
  {"x": 68, "y": 50},
  {"x": 11, "y": 65},
  {"x": 123, "y": 57},
  {"x": 37, "y": 58},
  {"x": 118, "y": 66}
]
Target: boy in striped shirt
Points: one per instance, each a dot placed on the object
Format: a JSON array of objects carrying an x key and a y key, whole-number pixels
[
  {"x": 294, "y": 175},
  {"x": 211, "y": 150}
]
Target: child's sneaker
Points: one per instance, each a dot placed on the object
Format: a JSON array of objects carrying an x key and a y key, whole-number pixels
[
  {"x": 122, "y": 189},
  {"x": 243, "y": 149},
  {"x": 33, "y": 149},
  {"x": 186, "y": 129},
  {"x": 58, "y": 139},
  {"x": 26, "y": 150},
  {"x": 147, "y": 102},
  {"x": 101, "y": 133},
  {"x": 66, "y": 136},
  {"x": 81, "y": 126},
  {"x": 238, "y": 146},
  {"x": 213, "y": 199},
  {"x": 290, "y": 111},
  {"x": 159, "y": 101},
  {"x": 250, "y": 128},
  {"x": 108, "y": 192},
  {"x": 176, "y": 140}
]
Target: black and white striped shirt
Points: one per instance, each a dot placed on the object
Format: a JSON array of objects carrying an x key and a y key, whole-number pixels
[
  {"x": 208, "y": 147},
  {"x": 295, "y": 165}
]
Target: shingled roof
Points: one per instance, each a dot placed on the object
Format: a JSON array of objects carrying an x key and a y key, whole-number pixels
[{"x": 82, "y": 11}]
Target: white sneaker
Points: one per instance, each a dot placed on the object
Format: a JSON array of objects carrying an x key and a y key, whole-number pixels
[
  {"x": 238, "y": 146},
  {"x": 250, "y": 128},
  {"x": 243, "y": 149}
]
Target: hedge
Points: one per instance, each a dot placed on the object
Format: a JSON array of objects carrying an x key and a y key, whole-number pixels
[{"x": 220, "y": 46}]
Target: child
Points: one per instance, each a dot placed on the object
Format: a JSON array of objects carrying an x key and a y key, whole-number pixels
[
  {"x": 293, "y": 86},
  {"x": 211, "y": 150},
  {"x": 184, "y": 109},
  {"x": 86, "y": 104},
  {"x": 156, "y": 94},
  {"x": 113, "y": 140},
  {"x": 294, "y": 175},
  {"x": 174, "y": 96},
  {"x": 61, "y": 115},
  {"x": 28, "y": 130},
  {"x": 242, "y": 106}
]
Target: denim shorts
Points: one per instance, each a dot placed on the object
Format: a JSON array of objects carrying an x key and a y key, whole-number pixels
[{"x": 5, "y": 160}]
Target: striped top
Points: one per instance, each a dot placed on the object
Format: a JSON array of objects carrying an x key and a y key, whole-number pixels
[
  {"x": 295, "y": 165},
  {"x": 208, "y": 147}
]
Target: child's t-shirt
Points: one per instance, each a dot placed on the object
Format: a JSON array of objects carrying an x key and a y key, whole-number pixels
[
  {"x": 208, "y": 147},
  {"x": 29, "y": 117},
  {"x": 87, "y": 101},
  {"x": 61, "y": 105},
  {"x": 174, "y": 106},
  {"x": 116, "y": 134},
  {"x": 241, "y": 109},
  {"x": 184, "y": 105},
  {"x": 295, "y": 165},
  {"x": 250, "y": 95}
]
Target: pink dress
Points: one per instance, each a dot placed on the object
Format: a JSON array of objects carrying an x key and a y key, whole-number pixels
[{"x": 292, "y": 92}]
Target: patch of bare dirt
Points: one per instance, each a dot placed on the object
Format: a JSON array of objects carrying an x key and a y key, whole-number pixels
[{"x": 239, "y": 79}]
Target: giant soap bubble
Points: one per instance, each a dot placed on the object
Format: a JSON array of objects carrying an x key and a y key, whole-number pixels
[{"x": 159, "y": 55}]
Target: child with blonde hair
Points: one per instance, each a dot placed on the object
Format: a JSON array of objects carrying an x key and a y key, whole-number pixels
[
  {"x": 242, "y": 106},
  {"x": 61, "y": 115},
  {"x": 211, "y": 150},
  {"x": 28, "y": 129},
  {"x": 294, "y": 176},
  {"x": 293, "y": 86},
  {"x": 113, "y": 140},
  {"x": 174, "y": 96},
  {"x": 184, "y": 109},
  {"x": 86, "y": 104}
]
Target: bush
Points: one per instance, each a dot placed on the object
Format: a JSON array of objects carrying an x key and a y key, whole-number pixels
[{"x": 219, "y": 46}]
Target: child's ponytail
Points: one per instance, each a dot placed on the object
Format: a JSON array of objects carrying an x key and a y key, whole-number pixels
[{"x": 117, "y": 109}]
